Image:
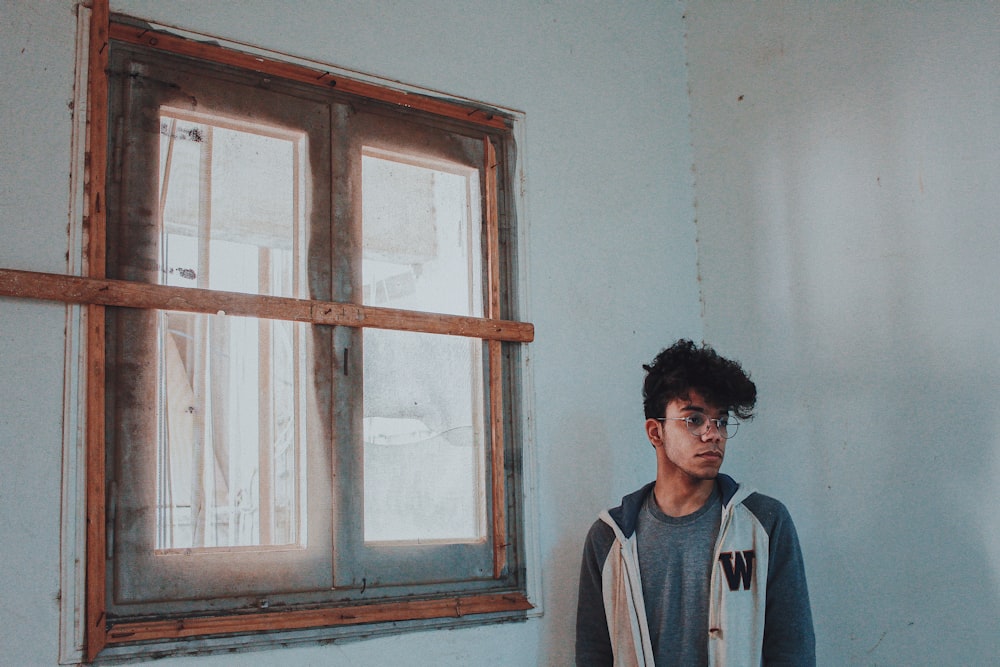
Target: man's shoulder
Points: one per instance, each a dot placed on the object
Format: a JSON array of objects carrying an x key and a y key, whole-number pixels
[
  {"x": 773, "y": 517},
  {"x": 600, "y": 530},
  {"x": 626, "y": 514},
  {"x": 769, "y": 511},
  {"x": 599, "y": 542}
]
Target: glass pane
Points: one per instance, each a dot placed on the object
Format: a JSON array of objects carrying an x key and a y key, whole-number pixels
[
  {"x": 421, "y": 234},
  {"x": 230, "y": 448},
  {"x": 424, "y": 425},
  {"x": 424, "y": 438},
  {"x": 219, "y": 186}
]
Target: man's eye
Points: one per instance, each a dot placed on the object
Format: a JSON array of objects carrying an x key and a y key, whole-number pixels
[
  {"x": 696, "y": 420},
  {"x": 723, "y": 422}
]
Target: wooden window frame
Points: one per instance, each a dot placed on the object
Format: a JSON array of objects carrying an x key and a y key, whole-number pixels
[{"x": 94, "y": 291}]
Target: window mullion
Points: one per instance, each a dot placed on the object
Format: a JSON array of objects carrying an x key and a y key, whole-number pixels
[
  {"x": 265, "y": 410},
  {"x": 206, "y": 344}
]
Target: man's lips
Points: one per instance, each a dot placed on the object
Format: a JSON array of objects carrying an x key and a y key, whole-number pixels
[{"x": 713, "y": 454}]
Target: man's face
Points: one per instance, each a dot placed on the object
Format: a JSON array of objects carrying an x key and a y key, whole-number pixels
[{"x": 697, "y": 457}]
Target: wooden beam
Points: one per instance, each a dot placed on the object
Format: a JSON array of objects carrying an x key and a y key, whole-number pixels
[
  {"x": 317, "y": 77},
  {"x": 498, "y": 478},
  {"x": 128, "y": 294},
  {"x": 94, "y": 221},
  {"x": 381, "y": 612}
]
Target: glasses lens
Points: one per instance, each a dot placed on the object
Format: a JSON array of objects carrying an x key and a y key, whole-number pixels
[{"x": 698, "y": 425}]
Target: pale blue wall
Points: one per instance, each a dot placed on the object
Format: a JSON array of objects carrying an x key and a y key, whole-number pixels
[
  {"x": 611, "y": 262},
  {"x": 36, "y": 75},
  {"x": 848, "y": 187}
]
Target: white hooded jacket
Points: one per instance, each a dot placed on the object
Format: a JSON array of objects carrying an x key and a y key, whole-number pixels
[{"x": 756, "y": 550}]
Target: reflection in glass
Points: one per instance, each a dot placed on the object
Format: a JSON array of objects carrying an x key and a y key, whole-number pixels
[
  {"x": 424, "y": 438},
  {"x": 421, "y": 234},
  {"x": 229, "y": 455},
  {"x": 424, "y": 420}
]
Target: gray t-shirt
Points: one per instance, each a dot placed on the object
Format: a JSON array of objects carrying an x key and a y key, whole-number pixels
[{"x": 675, "y": 561}]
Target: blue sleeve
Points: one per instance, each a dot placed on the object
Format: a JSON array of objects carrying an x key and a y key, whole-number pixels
[
  {"x": 593, "y": 640},
  {"x": 789, "y": 639}
]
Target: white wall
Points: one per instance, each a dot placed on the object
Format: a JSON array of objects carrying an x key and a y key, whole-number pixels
[
  {"x": 848, "y": 171},
  {"x": 611, "y": 259}
]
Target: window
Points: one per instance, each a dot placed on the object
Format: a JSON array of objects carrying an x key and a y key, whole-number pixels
[{"x": 305, "y": 397}]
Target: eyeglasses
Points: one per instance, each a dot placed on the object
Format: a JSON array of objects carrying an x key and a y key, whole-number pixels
[{"x": 697, "y": 424}]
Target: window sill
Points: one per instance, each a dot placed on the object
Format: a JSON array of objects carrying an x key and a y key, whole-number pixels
[{"x": 129, "y": 641}]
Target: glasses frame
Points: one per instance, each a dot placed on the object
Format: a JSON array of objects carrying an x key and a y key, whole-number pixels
[{"x": 732, "y": 425}]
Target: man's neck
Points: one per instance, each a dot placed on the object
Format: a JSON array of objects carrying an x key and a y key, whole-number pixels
[{"x": 680, "y": 497}]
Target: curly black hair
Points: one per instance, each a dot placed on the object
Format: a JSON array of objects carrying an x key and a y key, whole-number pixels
[{"x": 684, "y": 367}]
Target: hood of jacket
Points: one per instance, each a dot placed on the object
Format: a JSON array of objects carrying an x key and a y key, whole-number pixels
[{"x": 624, "y": 517}]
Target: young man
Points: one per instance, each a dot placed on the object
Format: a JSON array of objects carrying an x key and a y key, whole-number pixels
[{"x": 694, "y": 569}]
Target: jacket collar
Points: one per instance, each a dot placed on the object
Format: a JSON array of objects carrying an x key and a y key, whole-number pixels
[{"x": 627, "y": 514}]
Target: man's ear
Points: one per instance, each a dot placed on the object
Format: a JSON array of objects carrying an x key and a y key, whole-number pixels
[{"x": 654, "y": 432}]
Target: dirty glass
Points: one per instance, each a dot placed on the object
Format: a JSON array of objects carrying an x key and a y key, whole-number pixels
[
  {"x": 423, "y": 394},
  {"x": 229, "y": 451}
]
